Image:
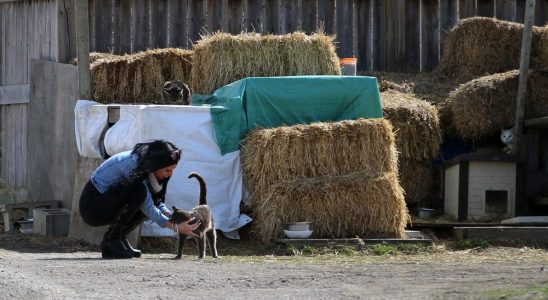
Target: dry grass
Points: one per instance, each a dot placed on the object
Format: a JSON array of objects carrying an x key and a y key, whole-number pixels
[
  {"x": 319, "y": 149},
  {"x": 478, "y": 46},
  {"x": 543, "y": 45},
  {"x": 95, "y": 56},
  {"x": 432, "y": 87},
  {"x": 342, "y": 176},
  {"x": 429, "y": 86},
  {"x": 339, "y": 206},
  {"x": 416, "y": 124},
  {"x": 139, "y": 77},
  {"x": 416, "y": 180},
  {"x": 222, "y": 58},
  {"x": 487, "y": 104}
]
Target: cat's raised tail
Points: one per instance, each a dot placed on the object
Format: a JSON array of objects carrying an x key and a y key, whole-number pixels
[{"x": 203, "y": 187}]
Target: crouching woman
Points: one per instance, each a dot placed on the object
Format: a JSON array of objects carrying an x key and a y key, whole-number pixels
[{"x": 127, "y": 189}]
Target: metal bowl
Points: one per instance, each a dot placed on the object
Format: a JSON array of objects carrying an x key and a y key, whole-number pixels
[{"x": 426, "y": 213}]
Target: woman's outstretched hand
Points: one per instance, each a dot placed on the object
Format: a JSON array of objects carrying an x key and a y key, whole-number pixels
[{"x": 188, "y": 229}]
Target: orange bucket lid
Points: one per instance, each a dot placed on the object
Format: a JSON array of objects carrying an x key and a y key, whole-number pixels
[{"x": 348, "y": 60}]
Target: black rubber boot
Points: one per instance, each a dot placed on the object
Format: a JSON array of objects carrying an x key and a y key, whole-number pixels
[
  {"x": 136, "y": 252},
  {"x": 118, "y": 250},
  {"x": 105, "y": 252},
  {"x": 137, "y": 220},
  {"x": 115, "y": 247}
]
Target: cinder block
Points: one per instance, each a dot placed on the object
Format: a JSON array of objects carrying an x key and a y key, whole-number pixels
[
  {"x": 7, "y": 210},
  {"x": 51, "y": 222}
]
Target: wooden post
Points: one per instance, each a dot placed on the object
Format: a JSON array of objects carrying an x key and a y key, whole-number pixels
[
  {"x": 81, "y": 22},
  {"x": 520, "y": 148},
  {"x": 82, "y": 48}
]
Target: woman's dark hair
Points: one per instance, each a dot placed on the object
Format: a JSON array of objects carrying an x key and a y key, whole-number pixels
[{"x": 153, "y": 156}]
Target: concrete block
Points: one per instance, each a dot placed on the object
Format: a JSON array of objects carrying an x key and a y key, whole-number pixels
[
  {"x": 8, "y": 209},
  {"x": 51, "y": 222}
]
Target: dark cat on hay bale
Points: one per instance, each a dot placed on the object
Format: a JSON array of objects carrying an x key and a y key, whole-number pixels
[{"x": 176, "y": 92}]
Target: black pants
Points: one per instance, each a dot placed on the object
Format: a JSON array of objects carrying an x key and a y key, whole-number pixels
[{"x": 98, "y": 209}]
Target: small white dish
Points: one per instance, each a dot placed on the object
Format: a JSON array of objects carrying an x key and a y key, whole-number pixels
[
  {"x": 298, "y": 234},
  {"x": 299, "y": 226},
  {"x": 26, "y": 226}
]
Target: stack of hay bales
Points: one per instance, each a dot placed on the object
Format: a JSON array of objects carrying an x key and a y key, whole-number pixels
[
  {"x": 487, "y": 104},
  {"x": 222, "y": 58},
  {"x": 478, "y": 46},
  {"x": 139, "y": 77},
  {"x": 342, "y": 176},
  {"x": 418, "y": 138},
  {"x": 431, "y": 87},
  {"x": 490, "y": 49}
]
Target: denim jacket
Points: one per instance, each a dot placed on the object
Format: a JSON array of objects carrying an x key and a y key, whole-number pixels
[{"x": 118, "y": 169}]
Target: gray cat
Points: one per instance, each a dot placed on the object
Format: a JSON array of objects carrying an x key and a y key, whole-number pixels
[
  {"x": 201, "y": 213},
  {"x": 176, "y": 92},
  {"x": 507, "y": 138}
]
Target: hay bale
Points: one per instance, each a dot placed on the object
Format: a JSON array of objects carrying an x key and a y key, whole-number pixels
[
  {"x": 95, "y": 56},
  {"x": 316, "y": 150},
  {"x": 174, "y": 63},
  {"x": 479, "y": 46},
  {"x": 416, "y": 180},
  {"x": 543, "y": 46},
  {"x": 429, "y": 86},
  {"x": 222, "y": 58},
  {"x": 339, "y": 206},
  {"x": 486, "y": 105},
  {"x": 416, "y": 125},
  {"x": 139, "y": 77},
  {"x": 432, "y": 87}
]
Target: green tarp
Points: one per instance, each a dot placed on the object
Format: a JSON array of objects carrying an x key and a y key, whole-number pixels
[{"x": 277, "y": 101}]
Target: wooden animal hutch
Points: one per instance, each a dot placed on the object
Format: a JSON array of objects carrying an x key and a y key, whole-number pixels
[{"x": 480, "y": 187}]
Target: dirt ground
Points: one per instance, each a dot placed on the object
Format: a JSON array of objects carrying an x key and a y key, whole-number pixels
[{"x": 35, "y": 267}]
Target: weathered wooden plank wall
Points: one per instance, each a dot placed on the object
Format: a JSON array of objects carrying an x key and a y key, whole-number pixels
[
  {"x": 28, "y": 29},
  {"x": 23, "y": 31},
  {"x": 390, "y": 35},
  {"x": 14, "y": 146},
  {"x": 52, "y": 157}
]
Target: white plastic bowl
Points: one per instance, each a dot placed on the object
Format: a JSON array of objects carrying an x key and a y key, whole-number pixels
[
  {"x": 298, "y": 234},
  {"x": 26, "y": 226},
  {"x": 299, "y": 226}
]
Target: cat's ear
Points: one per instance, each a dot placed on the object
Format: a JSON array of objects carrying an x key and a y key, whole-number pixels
[{"x": 174, "y": 208}]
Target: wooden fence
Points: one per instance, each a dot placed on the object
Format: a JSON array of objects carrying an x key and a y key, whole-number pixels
[
  {"x": 28, "y": 30},
  {"x": 391, "y": 35}
]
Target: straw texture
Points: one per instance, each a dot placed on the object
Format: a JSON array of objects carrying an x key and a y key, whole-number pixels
[
  {"x": 487, "y": 104},
  {"x": 319, "y": 149},
  {"x": 222, "y": 58},
  {"x": 416, "y": 124},
  {"x": 342, "y": 176},
  {"x": 543, "y": 46},
  {"x": 139, "y": 77},
  {"x": 480, "y": 46},
  {"x": 356, "y": 204},
  {"x": 416, "y": 180}
]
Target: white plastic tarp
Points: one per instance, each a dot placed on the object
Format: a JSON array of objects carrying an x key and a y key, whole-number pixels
[
  {"x": 191, "y": 128},
  {"x": 90, "y": 120}
]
